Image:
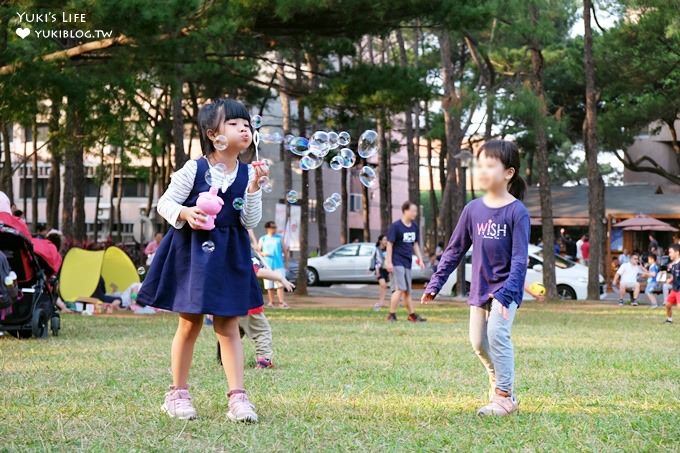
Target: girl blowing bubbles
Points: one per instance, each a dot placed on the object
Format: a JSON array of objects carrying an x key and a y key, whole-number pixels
[
  {"x": 497, "y": 225},
  {"x": 194, "y": 280}
]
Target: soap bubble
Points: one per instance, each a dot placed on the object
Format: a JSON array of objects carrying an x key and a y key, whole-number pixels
[
  {"x": 208, "y": 246},
  {"x": 336, "y": 197},
  {"x": 319, "y": 143},
  {"x": 238, "y": 203},
  {"x": 310, "y": 162},
  {"x": 348, "y": 157},
  {"x": 272, "y": 138},
  {"x": 367, "y": 176},
  {"x": 141, "y": 270},
  {"x": 289, "y": 138},
  {"x": 299, "y": 146},
  {"x": 292, "y": 197},
  {"x": 333, "y": 139},
  {"x": 216, "y": 175},
  {"x": 336, "y": 162},
  {"x": 256, "y": 121},
  {"x": 344, "y": 138},
  {"x": 330, "y": 205},
  {"x": 265, "y": 184},
  {"x": 268, "y": 162},
  {"x": 220, "y": 143},
  {"x": 368, "y": 144}
]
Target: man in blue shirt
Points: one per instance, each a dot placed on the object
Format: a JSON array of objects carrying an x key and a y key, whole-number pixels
[
  {"x": 275, "y": 254},
  {"x": 402, "y": 243}
]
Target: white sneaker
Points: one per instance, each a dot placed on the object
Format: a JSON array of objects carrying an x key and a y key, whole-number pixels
[
  {"x": 178, "y": 404},
  {"x": 499, "y": 406},
  {"x": 241, "y": 409}
]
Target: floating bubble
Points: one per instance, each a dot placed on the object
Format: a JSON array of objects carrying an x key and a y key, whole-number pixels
[
  {"x": 368, "y": 144},
  {"x": 268, "y": 162},
  {"x": 310, "y": 162},
  {"x": 336, "y": 197},
  {"x": 344, "y": 138},
  {"x": 220, "y": 143},
  {"x": 333, "y": 139},
  {"x": 348, "y": 157},
  {"x": 216, "y": 175},
  {"x": 367, "y": 176},
  {"x": 141, "y": 270},
  {"x": 289, "y": 138},
  {"x": 256, "y": 121},
  {"x": 274, "y": 138},
  {"x": 238, "y": 203},
  {"x": 208, "y": 246},
  {"x": 336, "y": 162},
  {"x": 319, "y": 150},
  {"x": 299, "y": 146},
  {"x": 265, "y": 184},
  {"x": 292, "y": 197},
  {"x": 330, "y": 205}
]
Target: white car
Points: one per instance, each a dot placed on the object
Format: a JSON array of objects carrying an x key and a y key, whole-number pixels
[
  {"x": 572, "y": 278},
  {"x": 351, "y": 263}
]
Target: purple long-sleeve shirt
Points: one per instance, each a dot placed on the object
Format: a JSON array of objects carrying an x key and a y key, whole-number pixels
[{"x": 500, "y": 240}]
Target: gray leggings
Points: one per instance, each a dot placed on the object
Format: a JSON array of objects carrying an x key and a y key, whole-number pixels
[{"x": 490, "y": 335}]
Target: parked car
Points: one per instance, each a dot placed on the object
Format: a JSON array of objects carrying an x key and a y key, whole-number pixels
[
  {"x": 571, "y": 277},
  {"x": 350, "y": 263}
]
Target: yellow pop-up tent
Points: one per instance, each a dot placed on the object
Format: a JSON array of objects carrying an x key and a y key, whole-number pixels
[{"x": 81, "y": 270}]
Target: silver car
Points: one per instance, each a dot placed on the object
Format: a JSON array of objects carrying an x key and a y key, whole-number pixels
[{"x": 350, "y": 263}]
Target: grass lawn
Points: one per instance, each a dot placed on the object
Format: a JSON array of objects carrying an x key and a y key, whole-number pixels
[{"x": 589, "y": 377}]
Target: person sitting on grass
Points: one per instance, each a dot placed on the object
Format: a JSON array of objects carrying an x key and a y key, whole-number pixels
[
  {"x": 628, "y": 274},
  {"x": 674, "y": 280}
]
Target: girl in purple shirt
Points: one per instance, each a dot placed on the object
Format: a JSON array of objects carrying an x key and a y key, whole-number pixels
[{"x": 497, "y": 227}]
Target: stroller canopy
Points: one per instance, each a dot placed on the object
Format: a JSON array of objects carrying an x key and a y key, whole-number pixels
[{"x": 82, "y": 269}]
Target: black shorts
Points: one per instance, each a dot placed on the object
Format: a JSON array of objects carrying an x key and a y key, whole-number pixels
[{"x": 383, "y": 275}]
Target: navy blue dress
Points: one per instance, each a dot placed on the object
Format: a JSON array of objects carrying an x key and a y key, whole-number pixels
[{"x": 186, "y": 279}]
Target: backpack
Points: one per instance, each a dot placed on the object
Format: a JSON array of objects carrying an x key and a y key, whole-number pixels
[{"x": 8, "y": 291}]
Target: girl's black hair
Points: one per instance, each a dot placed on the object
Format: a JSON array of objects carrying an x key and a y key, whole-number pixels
[
  {"x": 380, "y": 238},
  {"x": 508, "y": 154},
  {"x": 211, "y": 115}
]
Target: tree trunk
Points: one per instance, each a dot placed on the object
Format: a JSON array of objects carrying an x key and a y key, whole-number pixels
[
  {"x": 54, "y": 182},
  {"x": 6, "y": 178},
  {"x": 119, "y": 198},
  {"x": 153, "y": 175},
  {"x": 548, "y": 229},
  {"x": 112, "y": 185},
  {"x": 344, "y": 210},
  {"x": 320, "y": 211},
  {"x": 285, "y": 125},
  {"x": 178, "y": 121},
  {"x": 596, "y": 209},
  {"x": 34, "y": 183},
  {"x": 434, "y": 205},
  {"x": 412, "y": 154},
  {"x": 99, "y": 179},
  {"x": 301, "y": 284},
  {"x": 384, "y": 166},
  {"x": 451, "y": 204}
]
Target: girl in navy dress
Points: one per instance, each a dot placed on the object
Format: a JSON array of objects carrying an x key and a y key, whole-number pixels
[{"x": 197, "y": 272}]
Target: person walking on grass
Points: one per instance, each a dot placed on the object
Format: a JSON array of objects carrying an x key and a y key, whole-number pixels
[
  {"x": 628, "y": 274},
  {"x": 497, "y": 227},
  {"x": 402, "y": 243},
  {"x": 197, "y": 272},
  {"x": 674, "y": 281},
  {"x": 381, "y": 274},
  {"x": 275, "y": 254}
]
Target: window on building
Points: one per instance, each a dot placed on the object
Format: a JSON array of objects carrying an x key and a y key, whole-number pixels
[
  {"x": 132, "y": 187},
  {"x": 26, "y": 188},
  {"x": 355, "y": 202}
]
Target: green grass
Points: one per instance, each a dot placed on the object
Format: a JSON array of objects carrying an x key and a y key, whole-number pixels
[{"x": 589, "y": 377}]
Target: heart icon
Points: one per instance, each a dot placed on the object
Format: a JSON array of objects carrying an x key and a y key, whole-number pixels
[{"x": 23, "y": 32}]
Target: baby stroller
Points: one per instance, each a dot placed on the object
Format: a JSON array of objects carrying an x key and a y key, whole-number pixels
[{"x": 31, "y": 312}]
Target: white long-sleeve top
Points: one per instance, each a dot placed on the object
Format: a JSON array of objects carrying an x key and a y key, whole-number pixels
[{"x": 181, "y": 183}]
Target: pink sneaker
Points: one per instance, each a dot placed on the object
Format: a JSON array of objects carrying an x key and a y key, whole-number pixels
[
  {"x": 241, "y": 409},
  {"x": 499, "y": 406},
  {"x": 178, "y": 404}
]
